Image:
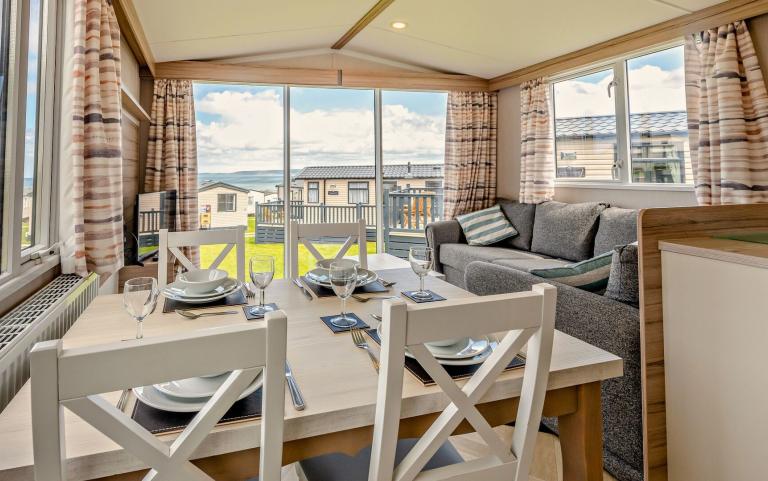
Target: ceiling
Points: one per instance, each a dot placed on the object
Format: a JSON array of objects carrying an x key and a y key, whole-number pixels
[{"x": 485, "y": 38}]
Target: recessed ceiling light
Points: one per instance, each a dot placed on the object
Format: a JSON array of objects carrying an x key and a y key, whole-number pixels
[{"x": 399, "y": 25}]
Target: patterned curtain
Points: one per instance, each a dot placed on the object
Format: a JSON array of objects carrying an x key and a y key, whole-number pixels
[
  {"x": 470, "y": 152},
  {"x": 727, "y": 116},
  {"x": 537, "y": 160},
  {"x": 172, "y": 152},
  {"x": 97, "y": 171}
]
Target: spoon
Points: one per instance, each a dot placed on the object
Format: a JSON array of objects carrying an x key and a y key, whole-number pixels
[{"x": 194, "y": 315}]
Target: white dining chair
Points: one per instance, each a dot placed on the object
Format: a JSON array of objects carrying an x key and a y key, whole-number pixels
[
  {"x": 525, "y": 318},
  {"x": 171, "y": 242},
  {"x": 304, "y": 234},
  {"x": 73, "y": 378}
]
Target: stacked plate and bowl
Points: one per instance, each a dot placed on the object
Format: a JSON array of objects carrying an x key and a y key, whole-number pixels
[
  {"x": 466, "y": 351},
  {"x": 201, "y": 286},
  {"x": 321, "y": 274}
]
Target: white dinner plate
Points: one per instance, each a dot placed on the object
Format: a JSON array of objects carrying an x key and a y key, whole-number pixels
[
  {"x": 193, "y": 387},
  {"x": 150, "y": 396},
  {"x": 177, "y": 290},
  {"x": 321, "y": 277},
  {"x": 468, "y": 352}
]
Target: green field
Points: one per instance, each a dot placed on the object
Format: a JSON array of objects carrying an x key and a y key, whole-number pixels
[{"x": 209, "y": 253}]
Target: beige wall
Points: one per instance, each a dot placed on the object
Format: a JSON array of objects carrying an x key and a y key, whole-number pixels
[
  {"x": 224, "y": 219},
  {"x": 129, "y": 69},
  {"x": 508, "y": 183}
]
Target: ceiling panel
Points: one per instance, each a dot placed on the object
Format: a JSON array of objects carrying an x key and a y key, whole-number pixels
[{"x": 692, "y": 5}]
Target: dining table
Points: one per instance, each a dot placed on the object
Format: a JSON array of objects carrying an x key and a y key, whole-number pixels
[{"x": 338, "y": 383}]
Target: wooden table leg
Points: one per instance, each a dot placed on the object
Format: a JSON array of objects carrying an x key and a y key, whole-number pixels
[{"x": 581, "y": 437}]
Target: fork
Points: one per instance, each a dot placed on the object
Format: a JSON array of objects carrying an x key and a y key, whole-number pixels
[
  {"x": 123, "y": 399},
  {"x": 359, "y": 340},
  {"x": 360, "y": 298},
  {"x": 387, "y": 283},
  {"x": 249, "y": 294}
]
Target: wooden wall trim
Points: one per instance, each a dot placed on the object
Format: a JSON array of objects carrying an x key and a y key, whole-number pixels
[
  {"x": 714, "y": 16},
  {"x": 220, "y": 72},
  {"x": 655, "y": 225},
  {"x": 132, "y": 106},
  {"x": 364, "y": 21},
  {"x": 131, "y": 28}
]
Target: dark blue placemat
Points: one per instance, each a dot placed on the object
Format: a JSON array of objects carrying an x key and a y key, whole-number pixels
[
  {"x": 360, "y": 324},
  {"x": 435, "y": 297},
  {"x": 251, "y": 317},
  {"x": 320, "y": 291},
  {"x": 237, "y": 298},
  {"x": 158, "y": 421},
  {"x": 456, "y": 372}
]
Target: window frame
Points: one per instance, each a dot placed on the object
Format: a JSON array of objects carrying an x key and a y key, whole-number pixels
[
  {"x": 313, "y": 187},
  {"x": 226, "y": 202},
  {"x": 623, "y": 135},
  {"x": 358, "y": 189}
]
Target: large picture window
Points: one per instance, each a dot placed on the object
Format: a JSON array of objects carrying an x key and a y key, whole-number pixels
[{"x": 625, "y": 122}]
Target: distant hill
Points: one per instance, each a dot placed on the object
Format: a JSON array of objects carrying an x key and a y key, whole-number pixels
[{"x": 247, "y": 179}]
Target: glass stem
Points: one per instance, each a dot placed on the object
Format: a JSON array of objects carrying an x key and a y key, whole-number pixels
[
  {"x": 261, "y": 297},
  {"x": 421, "y": 283},
  {"x": 139, "y": 329},
  {"x": 343, "y": 307}
]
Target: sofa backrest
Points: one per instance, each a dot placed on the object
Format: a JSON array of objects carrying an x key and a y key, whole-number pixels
[
  {"x": 566, "y": 231},
  {"x": 521, "y": 217},
  {"x": 616, "y": 227}
]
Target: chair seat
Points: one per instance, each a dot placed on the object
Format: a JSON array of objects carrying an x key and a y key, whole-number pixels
[{"x": 340, "y": 467}]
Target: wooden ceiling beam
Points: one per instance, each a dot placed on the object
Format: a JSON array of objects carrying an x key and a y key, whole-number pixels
[
  {"x": 366, "y": 19},
  {"x": 131, "y": 28},
  {"x": 714, "y": 16}
]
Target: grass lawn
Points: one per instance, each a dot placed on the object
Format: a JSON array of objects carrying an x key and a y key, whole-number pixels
[{"x": 306, "y": 261}]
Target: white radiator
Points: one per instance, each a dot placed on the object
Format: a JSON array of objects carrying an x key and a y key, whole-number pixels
[{"x": 48, "y": 314}]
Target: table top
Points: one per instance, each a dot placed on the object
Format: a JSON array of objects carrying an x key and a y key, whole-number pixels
[
  {"x": 337, "y": 379},
  {"x": 752, "y": 254}
]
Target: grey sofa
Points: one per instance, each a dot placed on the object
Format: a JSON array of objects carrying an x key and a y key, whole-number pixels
[{"x": 554, "y": 234}]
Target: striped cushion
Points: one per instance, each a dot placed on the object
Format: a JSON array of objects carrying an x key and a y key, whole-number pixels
[
  {"x": 485, "y": 227},
  {"x": 590, "y": 275}
]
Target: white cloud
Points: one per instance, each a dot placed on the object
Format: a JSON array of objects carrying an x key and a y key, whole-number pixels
[
  {"x": 248, "y": 134},
  {"x": 651, "y": 90}
]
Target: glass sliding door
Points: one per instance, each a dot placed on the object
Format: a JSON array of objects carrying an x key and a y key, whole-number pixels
[
  {"x": 413, "y": 144},
  {"x": 240, "y": 167},
  {"x": 332, "y": 161}
]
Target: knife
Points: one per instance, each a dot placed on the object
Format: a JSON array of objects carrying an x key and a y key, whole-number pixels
[
  {"x": 293, "y": 388},
  {"x": 303, "y": 289}
]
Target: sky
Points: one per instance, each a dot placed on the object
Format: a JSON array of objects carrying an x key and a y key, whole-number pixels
[
  {"x": 32, "y": 73},
  {"x": 655, "y": 84},
  {"x": 240, "y": 127}
]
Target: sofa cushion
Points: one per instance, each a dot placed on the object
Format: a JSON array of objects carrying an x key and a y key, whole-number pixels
[
  {"x": 486, "y": 227},
  {"x": 616, "y": 227},
  {"x": 624, "y": 282},
  {"x": 566, "y": 231},
  {"x": 459, "y": 255},
  {"x": 527, "y": 264},
  {"x": 590, "y": 275},
  {"x": 521, "y": 217}
]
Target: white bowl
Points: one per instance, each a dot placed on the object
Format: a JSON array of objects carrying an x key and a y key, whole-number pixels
[{"x": 202, "y": 280}]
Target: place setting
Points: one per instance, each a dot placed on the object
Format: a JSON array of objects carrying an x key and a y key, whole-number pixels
[
  {"x": 318, "y": 280},
  {"x": 203, "y": 288}
]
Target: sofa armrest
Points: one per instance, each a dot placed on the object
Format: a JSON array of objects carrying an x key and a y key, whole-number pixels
[{"x": 443, "y": 232}]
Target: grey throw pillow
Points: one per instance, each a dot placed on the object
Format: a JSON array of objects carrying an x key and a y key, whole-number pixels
[
  {"x": 521, "y": 217},
  {"x": 617, "y": 227},
  {"x": 566, "y": 231},
  {"x": 624, "y": 281}
]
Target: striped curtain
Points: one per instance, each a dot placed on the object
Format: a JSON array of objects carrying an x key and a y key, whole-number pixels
[
  {"x": 172, "y": 152},
  {"x": 470, "y": 152},
  {"x": 727, "y": 116},
  {"x": 537, "y": 160},
  {"x": 96, "y": 198}
]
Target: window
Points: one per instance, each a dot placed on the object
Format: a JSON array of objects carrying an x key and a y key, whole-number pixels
[
  {"x": 625, "y": 122},
  {"x": 358, "y": 192},
  {"x": 226, "y": 202},
  {"x": 313, "y": 192}
]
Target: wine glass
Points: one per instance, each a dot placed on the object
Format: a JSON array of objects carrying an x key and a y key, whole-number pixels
[
  {"x": 262, "y": 269},
  {"x": 421, "y": 263},
  {"x": 343, "y": 281},
  {"x": 140, "y": 299}
]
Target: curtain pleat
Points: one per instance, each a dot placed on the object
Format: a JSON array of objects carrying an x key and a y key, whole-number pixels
[
  {"x": 537, "y": 161},
  {"x": 172, "y": 152},
  {"x": 727, "y": 116},
  {"x": 97, "y": 171},
  {"x": 470, "y": 152}
]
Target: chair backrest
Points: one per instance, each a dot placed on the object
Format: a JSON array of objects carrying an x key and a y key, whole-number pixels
[
  {"x": 527, "y": 318},
  {"x": 303, "y": 234},
  {"x": 73, "y": 378},
  {"x": 171, "y": 242}
]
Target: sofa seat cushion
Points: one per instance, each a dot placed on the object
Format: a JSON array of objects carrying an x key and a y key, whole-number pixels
[
  {"x": 459, "y": 255},
  {"x": 521, "y": 217},
  {"x": 617, "y": 227},
  {"x": 566, "y": 231},
  {"x": 528, "y": 264}
]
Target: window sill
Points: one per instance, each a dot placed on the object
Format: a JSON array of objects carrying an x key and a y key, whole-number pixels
[
  {"x": 621, "y": 186},
  {"x": 11, "y": 285}
]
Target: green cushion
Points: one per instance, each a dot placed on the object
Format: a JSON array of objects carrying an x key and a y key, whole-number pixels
[
  {"x": 590, "y": 275},
  {"x": 486, "y": 227}
]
